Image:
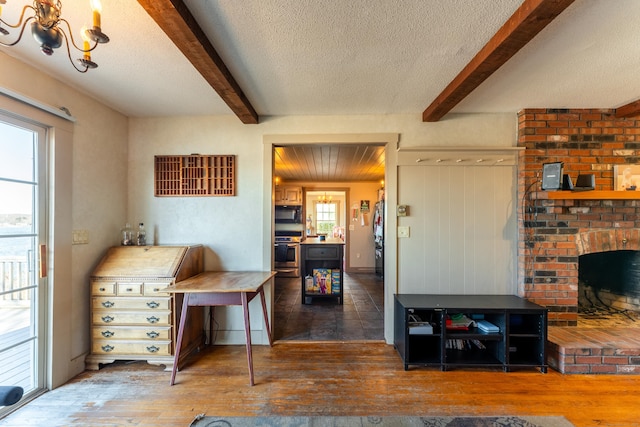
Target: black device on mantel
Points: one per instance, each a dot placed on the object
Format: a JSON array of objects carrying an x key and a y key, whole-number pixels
[
  {"x": 585, "y": 183},
  {"x": 552, "y": 176},
  {"x": 567, "y": 184}
]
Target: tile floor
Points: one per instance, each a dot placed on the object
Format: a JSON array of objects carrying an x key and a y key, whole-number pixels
[{"x": 360, "y": 317}]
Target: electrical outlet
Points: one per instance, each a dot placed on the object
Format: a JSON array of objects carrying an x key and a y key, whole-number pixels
[
  {"x": 80, "y": 237},
  {"x": 403, "y": 231}
]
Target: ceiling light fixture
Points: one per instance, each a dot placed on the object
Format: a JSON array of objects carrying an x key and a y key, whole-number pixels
[
  {"x": 47, "y": 31},
  {"x": 324, "y": 199}
]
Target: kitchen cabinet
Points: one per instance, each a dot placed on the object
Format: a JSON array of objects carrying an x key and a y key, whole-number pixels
[
  {"x": 288, "y": 195},
  {"x": 321, "y": 268},
  {"x": 131, "y": 319},
  {"x": 428, "y": 331}
]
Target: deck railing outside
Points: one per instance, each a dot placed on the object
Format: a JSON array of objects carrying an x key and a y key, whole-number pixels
[
  {"x": 16, "y": 342},
  {"x": 14, "y": 274}
]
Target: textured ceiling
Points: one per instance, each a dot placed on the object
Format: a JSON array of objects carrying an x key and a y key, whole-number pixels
[
  {"x": 353, "y": 57},
  {"x": 329, "y": 57}
]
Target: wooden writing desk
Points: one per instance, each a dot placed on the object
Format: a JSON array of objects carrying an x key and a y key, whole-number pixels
[{"x": 213, "y": 288}]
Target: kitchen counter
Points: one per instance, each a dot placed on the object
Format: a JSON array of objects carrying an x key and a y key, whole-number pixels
[
  {"x": 321, "y": 263},
  {"x": 317, "y": 241}
]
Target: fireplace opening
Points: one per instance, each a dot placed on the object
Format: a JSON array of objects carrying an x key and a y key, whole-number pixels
[{"x": 609, "y": 289}]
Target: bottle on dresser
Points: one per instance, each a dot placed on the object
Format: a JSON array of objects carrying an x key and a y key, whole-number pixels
[{"x": 141, "y": 235}]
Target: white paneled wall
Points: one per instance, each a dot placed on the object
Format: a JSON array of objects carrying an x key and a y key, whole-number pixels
[{"x": 462, "y": 222}]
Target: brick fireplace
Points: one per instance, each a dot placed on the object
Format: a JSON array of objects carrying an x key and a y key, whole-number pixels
[
  {"x": 555, "y": 232},
  {"x": 555, "y": 229}
]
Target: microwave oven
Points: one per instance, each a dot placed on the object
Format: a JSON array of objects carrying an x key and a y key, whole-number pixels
[{"x": 288, "y": 214}]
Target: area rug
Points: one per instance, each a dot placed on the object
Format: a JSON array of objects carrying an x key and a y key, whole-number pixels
[{"x": 402, "y": 421}]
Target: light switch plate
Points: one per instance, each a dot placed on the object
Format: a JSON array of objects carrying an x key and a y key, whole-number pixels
[
  {"x": 402, "y": 210},
  {"x": 403, "y": 231}
]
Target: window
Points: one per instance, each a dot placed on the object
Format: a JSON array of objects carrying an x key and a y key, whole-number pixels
[{"x": 326, "y": 217}]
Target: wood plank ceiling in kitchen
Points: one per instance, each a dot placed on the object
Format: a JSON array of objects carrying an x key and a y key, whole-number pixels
[{"x": 329, "y": 163}]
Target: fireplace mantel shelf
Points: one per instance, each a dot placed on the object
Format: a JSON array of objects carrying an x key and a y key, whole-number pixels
[{"x": 586, "y": 195}]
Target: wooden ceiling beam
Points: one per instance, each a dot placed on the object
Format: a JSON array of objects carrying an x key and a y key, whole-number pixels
[
  {"x": 530, "y": 18},
  {"x": 175, "y": 19},
  {"x": 630, "y": 110}
]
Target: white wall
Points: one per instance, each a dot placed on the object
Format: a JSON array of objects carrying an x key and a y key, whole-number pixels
[{"x": 462, "y": 225}]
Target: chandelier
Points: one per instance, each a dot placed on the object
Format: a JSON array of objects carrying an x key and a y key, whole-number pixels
[
  {"x": 47, "y": 29},
  {"x": 324, "y": 199}
]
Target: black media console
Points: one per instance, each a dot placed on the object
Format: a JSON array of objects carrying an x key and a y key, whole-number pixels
[{"x": 445, "y": 331}]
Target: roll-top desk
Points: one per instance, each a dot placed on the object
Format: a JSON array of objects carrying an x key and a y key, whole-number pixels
[{"x": 130, "y": 318}]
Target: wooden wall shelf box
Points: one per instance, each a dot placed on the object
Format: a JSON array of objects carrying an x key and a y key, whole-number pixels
[{"x": 195, "y": 175}]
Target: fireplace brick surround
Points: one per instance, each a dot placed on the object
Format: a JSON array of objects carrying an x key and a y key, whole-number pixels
[{"x": 554, "y": 233}]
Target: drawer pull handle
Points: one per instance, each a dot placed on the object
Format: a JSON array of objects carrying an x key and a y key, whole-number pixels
[
  {"x": 102, "y": 289},
  {"x": 107, "y": 348},
  {"x": 107, "y": 319},
  {"x": 153, "y": 349},
  {"x": 153, "y": 334},
  {"x": 153, "y": 304},
  {"x": 153, "y": 319},
  {"x": 108, "y": 304},
  {"x": 129, "y": 289},
  {"x": 107, "y": 334}
]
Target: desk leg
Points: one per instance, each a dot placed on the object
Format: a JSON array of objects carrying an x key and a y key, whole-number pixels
[
  {"x": 247, "y": 331},
  {"x": 183, "y": 321},
  {"x": 266, "y": 316}
]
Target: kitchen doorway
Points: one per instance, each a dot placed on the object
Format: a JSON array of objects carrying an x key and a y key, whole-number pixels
[{"x": 333, "y": 192}]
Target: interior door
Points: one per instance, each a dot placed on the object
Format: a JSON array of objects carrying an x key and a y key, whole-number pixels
[{"x": 22, "y": 248}]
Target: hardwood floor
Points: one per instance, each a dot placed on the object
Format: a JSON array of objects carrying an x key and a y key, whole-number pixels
[{"x": 323, "y": 378}]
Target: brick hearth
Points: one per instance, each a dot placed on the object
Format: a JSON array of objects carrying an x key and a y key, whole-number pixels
[
  {"x": 555, "y": 232},
  {"x": 579, "y": 350}
]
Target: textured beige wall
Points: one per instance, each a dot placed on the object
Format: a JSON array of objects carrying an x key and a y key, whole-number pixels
[
  {"x": 96, "y": 159},
  {"x": 237, "y": 230},
  {"x": 113, "y": 178}
]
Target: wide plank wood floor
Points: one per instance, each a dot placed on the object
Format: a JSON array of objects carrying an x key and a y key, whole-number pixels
[{"x": 323, "y": 378}]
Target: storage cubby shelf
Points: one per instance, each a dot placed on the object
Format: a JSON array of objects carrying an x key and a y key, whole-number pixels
[
  {"x": 195, "y": 175},
  {"x": 519, "y": 343}
]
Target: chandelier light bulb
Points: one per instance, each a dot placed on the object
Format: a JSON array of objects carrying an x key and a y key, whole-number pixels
[{"x": 96, "y": 7}]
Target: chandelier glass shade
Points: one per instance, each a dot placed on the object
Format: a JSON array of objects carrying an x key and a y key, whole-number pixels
[{"x": 47, "y": 28}]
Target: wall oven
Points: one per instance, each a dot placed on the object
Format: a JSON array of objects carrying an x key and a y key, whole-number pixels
[{"x": 287, "y": 256}]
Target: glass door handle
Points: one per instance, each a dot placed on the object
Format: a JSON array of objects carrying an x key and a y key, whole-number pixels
[{"x": 43, "y": 261}]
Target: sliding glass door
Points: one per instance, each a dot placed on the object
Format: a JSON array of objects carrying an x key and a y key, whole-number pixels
[{"x": 22, "y": 255}]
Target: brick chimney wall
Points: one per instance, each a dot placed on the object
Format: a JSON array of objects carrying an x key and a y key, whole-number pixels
[{"x": 554, "y": 233}]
